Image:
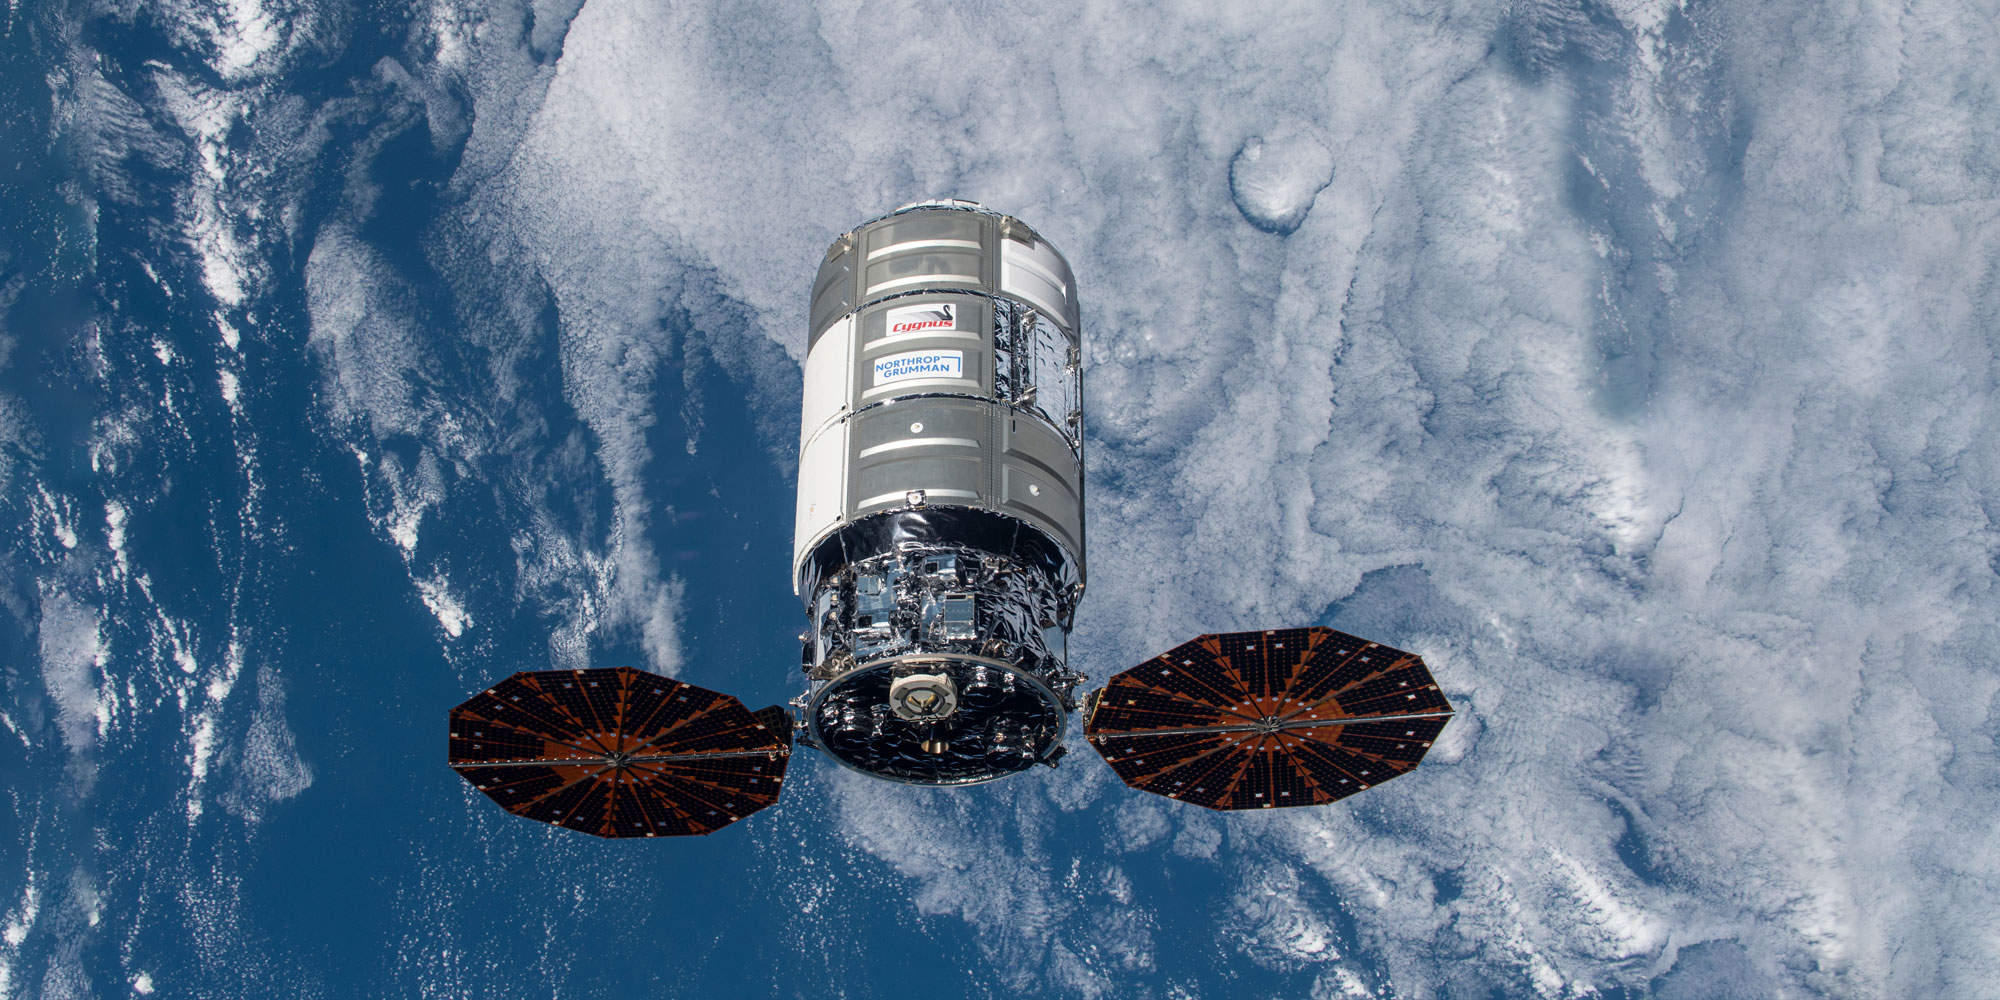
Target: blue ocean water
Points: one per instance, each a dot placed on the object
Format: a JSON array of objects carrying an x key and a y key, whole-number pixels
[{"x": 252, "y": 627}]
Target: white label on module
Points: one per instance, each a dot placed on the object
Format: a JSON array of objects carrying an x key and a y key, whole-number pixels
[
  {"x": 916, "y": 319},
  {"x": 919, "y": 364}
]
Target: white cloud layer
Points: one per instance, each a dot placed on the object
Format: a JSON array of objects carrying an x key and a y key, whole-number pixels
[
  {"x": 1647, "y": 375},
  {"x": 1664, "y": 369}
]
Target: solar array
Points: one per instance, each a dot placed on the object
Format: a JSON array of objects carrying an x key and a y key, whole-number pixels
[
  {"x": 1260, "y": 720},
  {"x": 617, "y": 752}
]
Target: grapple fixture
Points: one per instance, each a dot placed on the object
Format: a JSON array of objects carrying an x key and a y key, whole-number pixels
[{"x": 938, "y": 551}]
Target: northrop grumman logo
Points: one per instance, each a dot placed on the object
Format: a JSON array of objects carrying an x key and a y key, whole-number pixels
[
  {"x": 920, "y": 364},
  {"x": 912, "y": 319}
]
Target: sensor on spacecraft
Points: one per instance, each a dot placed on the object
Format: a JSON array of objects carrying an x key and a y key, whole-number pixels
[{"x": 939, "y": 553}]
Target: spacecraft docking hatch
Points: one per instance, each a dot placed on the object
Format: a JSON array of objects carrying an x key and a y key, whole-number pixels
[{"x": 939, "y": 554}]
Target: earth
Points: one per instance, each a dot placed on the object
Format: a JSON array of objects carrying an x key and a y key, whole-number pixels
[{"x": 1632, "y": 361}]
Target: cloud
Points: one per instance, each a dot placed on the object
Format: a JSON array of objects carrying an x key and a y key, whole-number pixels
[
  {"x": 267, "y": 766},
  {"x": 72, "y": 661},
  {"x": 1690, "y": 485},
  {"x": 1274, "y": 179}
]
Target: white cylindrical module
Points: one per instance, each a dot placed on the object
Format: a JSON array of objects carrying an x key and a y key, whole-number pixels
[{"x": 939, "y": 537}]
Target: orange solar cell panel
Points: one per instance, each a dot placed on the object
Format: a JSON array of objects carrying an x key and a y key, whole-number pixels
[
  {"x": 617, "y": 752},
  {"x": 1261, "y": 720}
]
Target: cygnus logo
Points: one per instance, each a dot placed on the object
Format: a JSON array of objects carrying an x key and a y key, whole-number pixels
[
  {"x": 919, "y": 364},
  {"x": 914, "y": 319}
]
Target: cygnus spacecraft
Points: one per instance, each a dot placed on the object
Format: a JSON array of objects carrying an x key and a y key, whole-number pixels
[{"x": 939, "y": 554}]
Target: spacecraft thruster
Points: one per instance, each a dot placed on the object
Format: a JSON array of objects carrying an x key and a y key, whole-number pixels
[{"x": 939, "y": 555}]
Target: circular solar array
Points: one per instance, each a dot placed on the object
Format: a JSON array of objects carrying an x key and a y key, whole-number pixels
[
  {"x": 618, "y": 752},
  {"x": 1262, "y": 720}
]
